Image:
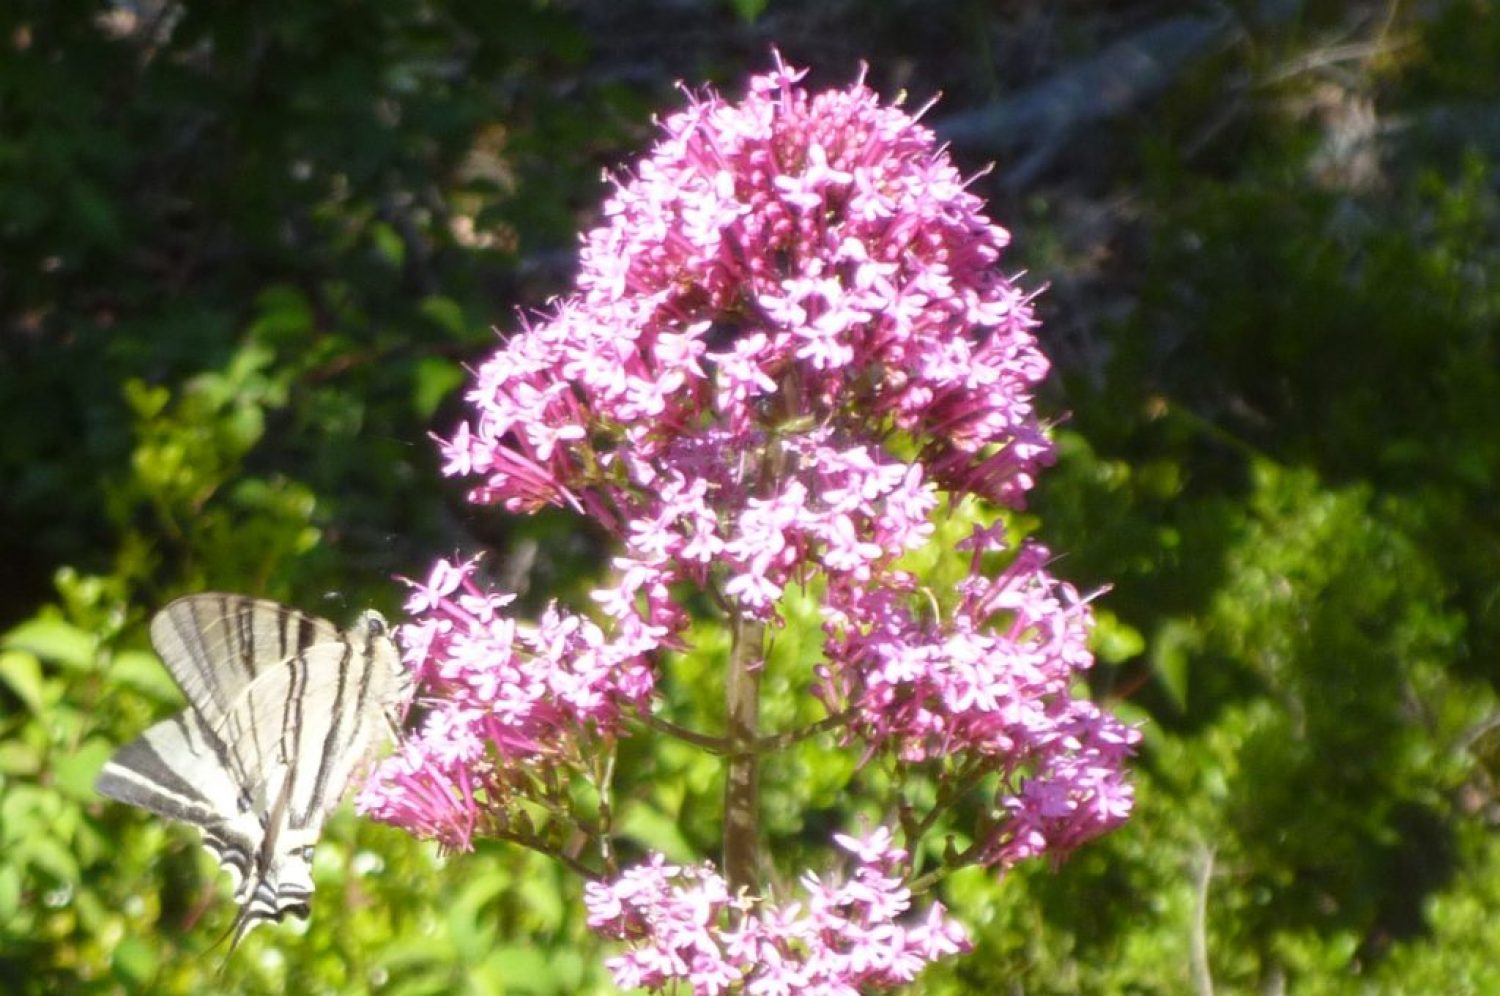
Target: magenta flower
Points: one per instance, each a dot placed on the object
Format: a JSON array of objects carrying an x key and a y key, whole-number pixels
[{"x": 789, "y": 342}]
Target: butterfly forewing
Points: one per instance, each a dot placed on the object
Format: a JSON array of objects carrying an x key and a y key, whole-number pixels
[
  {"x": 283, "y": 708},
  {"x": 216, "y": 644},
  {"x": 327, "y": 707}
]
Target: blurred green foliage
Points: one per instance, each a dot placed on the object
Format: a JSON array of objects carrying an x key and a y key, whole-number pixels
[{"x": 244, "y": 253}]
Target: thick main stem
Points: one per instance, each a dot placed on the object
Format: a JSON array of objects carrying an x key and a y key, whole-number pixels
[
  {"x": 742, "y": 698},
  {"x": 742, "y": 782}
]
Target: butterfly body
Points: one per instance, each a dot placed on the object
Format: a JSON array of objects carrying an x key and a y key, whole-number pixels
[{"x": 283, "y": 708}]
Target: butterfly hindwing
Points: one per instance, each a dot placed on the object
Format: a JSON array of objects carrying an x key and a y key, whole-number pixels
[{"x": 176, "y": 769}]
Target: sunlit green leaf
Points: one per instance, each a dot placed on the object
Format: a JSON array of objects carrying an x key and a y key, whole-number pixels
[
  {"x": 434, "y": 380},
  {"x": 144, "y": 673},
  {"x": 652, "y": 829},
  {"x": 471, "y": 934},
  {"x": 54, "y": 641},
  {"x": 20, "y": 758},
  {"x": 135, "y": 960},
  {"x": 22, "y": 674},
  {"x": 1114, "y": 641},
  {"x": 74, "y": 773}
]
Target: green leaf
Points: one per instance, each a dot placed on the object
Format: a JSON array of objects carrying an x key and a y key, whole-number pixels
[
  {"x": 436, "y": 981},
  {"x": 407, "y": 953},
  {"x": 135, "y": 960},
  {"x": 471, "y": 935},
  {"x": 543, "y": 901},
  {"x": 524, "y": 969},
  {"x": 749, "y": 10},
  {"x": 20, "y": 758},
  {"x": 388, "y": 244},
  {"x": 650, "y": 828},
  {"x": 144, "y": 673},
  {"x": 1114, "y": 640},
  {"x": 446, "y": 313},
  {"x": 74, "y": 773},
  {"x": 285, "y": 314},
  {"x": 10, "y": 892},
  {"x": 53, "y": 640},
  {"x": 244, "y": 426},
  {"x": 432, "y": 381},
  {"x": 1170, "y": 656},
  {"x": 146, "y": 401},
  {"x": 50, "y": 856},
  {"x": 23, "y": 673}
]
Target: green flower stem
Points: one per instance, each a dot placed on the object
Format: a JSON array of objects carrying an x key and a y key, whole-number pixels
[{"x": 742, "y": 781}]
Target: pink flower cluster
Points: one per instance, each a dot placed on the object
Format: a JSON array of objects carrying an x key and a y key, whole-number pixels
[
  {"x": 991, "y": 682},
  {"x": 785, "y": 286},
  {"x": 788, "y": 340},
  {"x": 496, "y": 695},
  {"x": 841, "y": 939}
]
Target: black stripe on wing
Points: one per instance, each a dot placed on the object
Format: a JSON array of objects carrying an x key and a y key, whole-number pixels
[
  {"x": 331, "y": 750},
  {"x": 279, "y": 877},
  {"x": 269, "y": 903}
]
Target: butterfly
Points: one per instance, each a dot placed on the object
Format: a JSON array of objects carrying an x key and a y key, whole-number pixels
[{"x": 283, "y": 709}]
